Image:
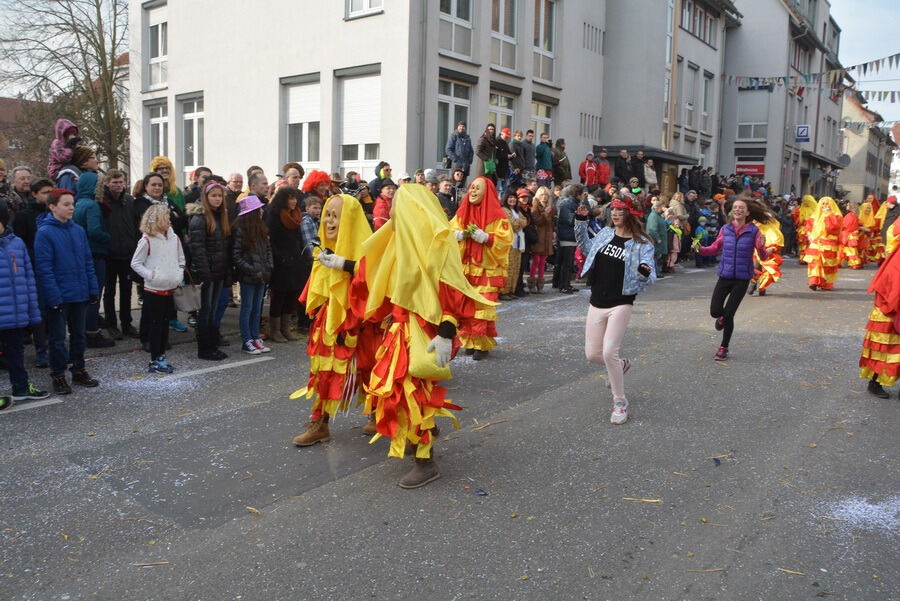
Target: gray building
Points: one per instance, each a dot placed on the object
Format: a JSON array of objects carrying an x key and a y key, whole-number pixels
[
  {"x": 787, "y": 134},
  {"x": 870, "y": 149}
]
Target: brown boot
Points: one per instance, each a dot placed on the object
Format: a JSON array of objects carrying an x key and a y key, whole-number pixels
[
  {"x": 369, "y": 429},
  {"x": 540, "y": 285},
  {"x": 532, "y": 285},
  {"x": 316, "y": 431},
  {"x": 423, "y": 472},
  {"x": 275, "y": 330},
  {"x": 286, "y": 328}
]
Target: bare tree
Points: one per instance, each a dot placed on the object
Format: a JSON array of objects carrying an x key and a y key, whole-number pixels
[{"x": 71, "y": 51}]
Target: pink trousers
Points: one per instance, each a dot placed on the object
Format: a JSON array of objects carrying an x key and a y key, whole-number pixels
[{"x": 603, "y": 333}]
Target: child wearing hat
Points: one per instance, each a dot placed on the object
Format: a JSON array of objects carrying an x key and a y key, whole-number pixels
[
  {"x": 252, "y": 260},
  {"x": 701, "y": 235},
  {"x": 18, "y": 298}
]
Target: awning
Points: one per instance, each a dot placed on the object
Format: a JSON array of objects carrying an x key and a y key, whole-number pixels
[
  {"x": 808, "y": 154},
  {"x": 657, "y": 154}
]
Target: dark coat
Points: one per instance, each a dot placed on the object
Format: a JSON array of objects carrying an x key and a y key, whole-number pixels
[
  {"x": 18, "y": 292},
  {"x": 123, "y": 225},
  {"x": 565, "y": 225},
  {"x": 562, "y": 168},
  {"x": 89, "y": 215},
  {"x": 63, "y": 263},
  {"x": 448, "y": 203},
  {"x": 252, "y": 266},
  {"x": 25, "y": 224},
  {"x": 209, "y": 252},
  {"x": 623, "y": 170},
  {"x": 287, "y": 256},
  {"x": 459, "y": 150},
  {"x": 503, "y": 153},
  {"x": 485, "y": 150}
]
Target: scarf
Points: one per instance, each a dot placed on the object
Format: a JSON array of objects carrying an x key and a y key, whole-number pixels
[{"x": 291, "y": 219}]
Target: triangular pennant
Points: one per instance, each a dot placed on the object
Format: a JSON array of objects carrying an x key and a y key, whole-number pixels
[{"x": 865, "y": 68}]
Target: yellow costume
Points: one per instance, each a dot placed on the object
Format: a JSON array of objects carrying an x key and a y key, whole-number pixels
[
  {"x": 768, "y": 271},
  {"x": 821, "y": 255},
  {"x": 878, "y": 251},
  {"x": 485, "y": 264},
  {"x": 851, "y": 251},
  {"x": 803, "y": 220},
  {"x": 868, "y": 233}
]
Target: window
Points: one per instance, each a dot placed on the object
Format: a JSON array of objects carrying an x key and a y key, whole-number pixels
[
  {"x": 544, "y": 38},
  {"x": 503, "y": 33},
  {"x": 360, "y": 124},
  {"x": 690, "y": 98},
  {"x": 159, "y": 130},
  {"x": 192, "y": 134},
  {"x": 589, "y": 126},
  {"x": 453, "y": 107},
  {"x": 707, "y": 101},
  {"x": 699, "y": 22},
  {"x": 540, "y": 119},
  {"x": 711, "y": 27},
  {"x": 158, "y": 61},
  {"x": 302, "y": 118},
  {"x": 753, "y": 115},
  {"x": 500, "y": 111},
  {"x": 670, "y": 30},
  {"x": 592, "y": 38},
  {"x": 358, "y": 8},
  {"x": 800, "y": 58},
  {"x": 455, "y": 28},
  {"x": 667, "y": 84}
]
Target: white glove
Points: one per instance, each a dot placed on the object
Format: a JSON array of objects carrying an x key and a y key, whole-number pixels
[
  {"x": 331, "y": 260},
  {"x": 442, "y": 348},
  {"x": 460, "y": 235},
  {"x": 480, "y": 236}
]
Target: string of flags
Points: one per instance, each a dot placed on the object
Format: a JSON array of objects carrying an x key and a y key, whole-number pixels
[
  {"x": 889, "y": 96},
  {"x": 833, "y": 77}
]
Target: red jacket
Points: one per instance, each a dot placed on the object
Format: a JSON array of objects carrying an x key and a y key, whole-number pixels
[
  {"x": 587, "y": 171},
  {"x": 603, "y": 172},
  {"x": 382, "y": 211}
]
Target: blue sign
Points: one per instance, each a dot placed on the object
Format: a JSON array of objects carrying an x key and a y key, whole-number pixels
[{"x": 802, "y": 133}]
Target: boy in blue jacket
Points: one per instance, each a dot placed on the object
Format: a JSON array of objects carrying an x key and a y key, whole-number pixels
[
  {"x": 18, "y": 310},
  {"x": 65, "y": 274}
]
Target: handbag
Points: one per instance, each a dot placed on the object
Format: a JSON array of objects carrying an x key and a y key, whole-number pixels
[
  {"x": 490, "y": 167},
  {"x": 445, "y": 162},
  {"x": 187, "y": 296},
  {"x": 421, "y": 362}
]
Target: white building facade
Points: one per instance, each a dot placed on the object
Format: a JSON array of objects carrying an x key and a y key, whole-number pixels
[
  {"x": 787, "y": 134},
  {"x": 340, "y": 85},
  {"x": 871, "y": 151}
]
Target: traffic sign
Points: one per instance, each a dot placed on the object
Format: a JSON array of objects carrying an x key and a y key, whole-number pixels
[{"x": 802, "y": 133}]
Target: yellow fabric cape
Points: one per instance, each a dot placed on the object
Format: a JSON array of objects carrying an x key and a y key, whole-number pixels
[
  {"x": 408, "y": 257},
  {"x": 333, "y": 285},
  {"x": 882, "y": 213},
  {"x": 818, "y": 229},
  {"x": 772, "y": 232},
  {"x": 866, "y": 215},
  {"x": 808, "y": 207}
]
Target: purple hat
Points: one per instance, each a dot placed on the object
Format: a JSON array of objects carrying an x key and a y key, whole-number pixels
[{"x": 249, "y": 204}]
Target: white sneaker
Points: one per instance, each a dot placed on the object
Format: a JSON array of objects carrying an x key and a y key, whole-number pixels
[
  {"x": 250, "y": 348},
  {"x": 262, "y": 348},
  {"x": 619, "y": 414}
]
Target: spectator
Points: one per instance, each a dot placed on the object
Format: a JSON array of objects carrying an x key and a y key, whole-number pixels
[
  {"x": 62, "y": 147},
  {"x": 250, "y": 171},
  {"x": 286, "y": 283},
  {"x": 403, "y": 179},
  {"x": 67, "y": 283},
  {"x": 234, "y": 187},
  {"x": 447, "y": 198},
  {"x": 518, "y": 222},
  {"x": 637, "y": 169},
  {"x": 544, "y": 162},
  {"x": 542, "y": 218},
  {"x": 459, "y": 149},
  {"x": 17, "y": 196},
  {"x": 159, "y": 260},
  {"x": 572, "y": 196},
  {"x": 657, "y": 231},
  {"x": 504, "y": 156},
  {"x": 163, "y": 166},
  {"x": 705, "y": 183},
  {"x": 252, "y": 259},
  {"x": 419, "y": 177},
  {"x": 603, "y": 168},
  {"x": 562, "y": 169},
  {"x": 201, "y": 176},
  {"x": 624, "y": 169},
  {"x": 90, "y": 216},
  {"x": 431, "y": 181},
  {"x": 486, "y": 155},
  {"x": 123, "y": 225},
  {"x": 587, "y": 172},
  {"x": 517, "y": 162},
  {"x": 318, "y": 183},
  {"x": 365, "y": 199},
  {"x": 529, "y": 157},
  {"x": 382, "y": 210},
  {"x": 382, "y": 172},
  {"x": 651, "y": 181},
  {"x": 458, "y": 183},
  {"x": 4, "y": 184},
  {"x": 523, "y": 201},
  {"x": 293, "y": 174},
  {"x": 258, "y": 184},
  {"x": 210, "y": 232},
  {"x": 18, "y": 311},
  {"x": 309, "y": 236}
]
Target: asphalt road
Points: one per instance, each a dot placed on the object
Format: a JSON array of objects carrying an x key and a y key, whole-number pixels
[{"x": 774, "y": 476}]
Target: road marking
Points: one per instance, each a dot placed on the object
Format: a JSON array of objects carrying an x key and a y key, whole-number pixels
[
  {"x": 31, "y": 405},
  {"x": 206, "y": 370}
]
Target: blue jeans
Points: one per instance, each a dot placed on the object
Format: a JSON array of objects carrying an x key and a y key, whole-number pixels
[
  {"x": 92, "y": 320},
  {"x": 224, "y": 299},
  {"x": 13, "y": 345},
  {"x": 71, "y": 316},
  {"x": 251, "y": 310},
  {"x": 502, "y": 185}
]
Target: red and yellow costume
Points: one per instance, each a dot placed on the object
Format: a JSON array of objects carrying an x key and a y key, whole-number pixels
[
  {"x": 484, "y": 265},
  {"x": 877, "y": 250},
  {"x": 867, "y": 232},
  {"x": 851, "y": 253},
  {"x": 768, "y": 271},
  {"x": 821, "y": 255},
  {"x": 803, "y": 220},
  {"x": 880, "y": 357},
  {"x": 411, "y": 279},
  {"x": 340, "y": 348}
]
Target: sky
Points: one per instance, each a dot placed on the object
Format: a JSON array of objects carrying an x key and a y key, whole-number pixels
[{"x": 870, "y": 29}]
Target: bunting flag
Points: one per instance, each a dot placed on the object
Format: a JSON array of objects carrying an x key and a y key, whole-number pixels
[{"x": 833, "y": 76}]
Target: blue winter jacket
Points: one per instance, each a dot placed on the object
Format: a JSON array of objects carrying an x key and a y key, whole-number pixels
[
  {"x": 635, "y": 254},
  {"x": 63, "y": 263},
  {"x": 18, "y": 294},
  {"x": 89, "y": 215},
  {"x": 459, "y": 149}
]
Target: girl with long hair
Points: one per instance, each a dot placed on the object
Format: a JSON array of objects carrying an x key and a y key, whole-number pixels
[
  {"x": 621, "y": 261},
  {"x": 252, "y": 258},
  {"x": 518, "y": 221},
  {"x": 737, "y": 241},
  {"x": 542, "y": 218},
  {"x": 284, "y": 218}
]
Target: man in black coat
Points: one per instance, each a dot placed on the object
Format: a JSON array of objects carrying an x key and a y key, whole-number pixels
[
  {"x": 123, "y": 236},
  {"x": 623, "y": 167}
]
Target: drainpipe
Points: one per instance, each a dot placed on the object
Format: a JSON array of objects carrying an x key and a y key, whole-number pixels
[{"x": 422, "y": 37}]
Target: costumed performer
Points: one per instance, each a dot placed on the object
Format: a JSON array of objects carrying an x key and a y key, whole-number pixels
[
  {"x": 821, "y": 256},
  {"x": 340, "y": 347},
  {"x": 410, "y": 278},
  {"x": 803, "y": 220},
  {"x": 485, "y": 235},
  {"x": 879, "y": 361},
  {"x": 767, "y": 271},
  {"x": 867, "y": 232},
  {"x": 850, "y": 252}
]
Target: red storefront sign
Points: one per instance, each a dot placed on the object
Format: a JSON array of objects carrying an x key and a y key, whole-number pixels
[{"x": 750, "y": 169}]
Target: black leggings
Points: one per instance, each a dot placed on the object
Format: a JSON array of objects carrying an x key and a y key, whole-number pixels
[{"x": 726, "y": 298}]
